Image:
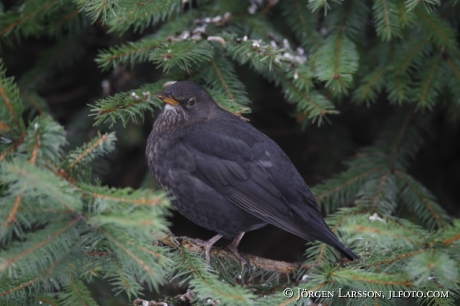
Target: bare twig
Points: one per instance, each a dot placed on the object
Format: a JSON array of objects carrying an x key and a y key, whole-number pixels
[{"x": 255, "y": 261}]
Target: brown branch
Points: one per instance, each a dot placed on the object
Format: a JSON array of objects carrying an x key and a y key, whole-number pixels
[
  {"x": 33, "y": 159},
  {"x": 4, "y": 127},
  {"x": 146, "y": 250},
  {"x": 219, "y": 74},
  {"x": 65, "y": 18},
  {"x": 8, "y": 104},
  {"x": 402, "y": 225},
  {"x": 33, "y": 102},
  {"x": 402, "y": 11},
  {"x": 142, "y": 201},
  {"x": 361, "y": 228},
  {"x": 41, "y": 244},
  {"x": 87, "y": 151},
  {"x": 45, "y": 275},
  {"x": 114, "y": 109},
  {"x": 268, "y": 7},
  {"x": 99, "y": 254},
  {"x": 13, "y": 148},
  {"x": 27, "y": 17},
  {"x": 306, "y": 28},
  {"x": 19, "y": 287},
  {"x": 12, "y": 217},
  {"x": 451, "y": 240},
  {"x": 61, "y": 172},
  {"x": 425, "y": 201},
  {"x": 121, "y": 274},
  {"x": 379, "y": 190},
  {"x": 322, "y": 196},
  {"x": 6, "y": 152},
  {"x": 300, "y": 93},
  {"x": 142, "y": 263},
  {"x": 255, "y": 261},
  {"x": 387, "y": 15},
  {"x": 399, "y": 257},
  {"x": 399, "y": 138},
  {"x": 426, "y": 86},
  {"x": 434, "y": 25},
  {"x": 384, "y": 282},
  {"x": 47, "y": 301},
  {"x": 374, "y": 80},
  {"x": 411, "y": 55},
  {"x": 454, "y": 68}
]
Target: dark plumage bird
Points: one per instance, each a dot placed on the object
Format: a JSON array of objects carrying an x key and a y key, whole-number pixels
[{"x": 227, "y": 176}]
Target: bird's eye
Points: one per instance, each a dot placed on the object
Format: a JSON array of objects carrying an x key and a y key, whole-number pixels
[{"x": 191, "y": 101}]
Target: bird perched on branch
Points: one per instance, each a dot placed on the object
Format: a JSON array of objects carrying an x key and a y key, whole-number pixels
[{"x": 227, "y": 176}]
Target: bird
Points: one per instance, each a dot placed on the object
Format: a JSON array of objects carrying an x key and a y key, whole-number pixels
[{"x": 225, "y": 175}]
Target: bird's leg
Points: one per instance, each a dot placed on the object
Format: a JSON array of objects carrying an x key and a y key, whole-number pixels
[
  {"x": 234, "y": 248},
  {"x": 207, "y": 246}
]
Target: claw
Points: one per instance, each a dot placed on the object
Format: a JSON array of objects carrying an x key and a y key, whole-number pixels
[
  {"x": 207, "y": 244},
  {"x": 234, "y": 248}
]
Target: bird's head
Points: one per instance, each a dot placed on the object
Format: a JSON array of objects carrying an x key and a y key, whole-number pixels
[{"x": 189, "y": 100}]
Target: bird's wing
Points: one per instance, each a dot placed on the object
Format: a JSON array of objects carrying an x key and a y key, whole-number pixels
[{"x": 231, "y": 163}]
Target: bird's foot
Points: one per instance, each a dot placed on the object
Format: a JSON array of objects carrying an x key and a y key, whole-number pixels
[
  {"x": 234, "y": 248},
  {"x": 207, "y": 245}
]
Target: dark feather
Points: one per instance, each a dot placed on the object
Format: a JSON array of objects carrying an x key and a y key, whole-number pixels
[{"x": 227, "y": 176}]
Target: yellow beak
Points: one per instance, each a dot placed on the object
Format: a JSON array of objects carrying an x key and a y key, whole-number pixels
[{"x": 166, "y": 98}]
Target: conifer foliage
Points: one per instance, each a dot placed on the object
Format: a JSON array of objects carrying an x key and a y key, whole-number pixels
[{"x": 61, "y": 228}]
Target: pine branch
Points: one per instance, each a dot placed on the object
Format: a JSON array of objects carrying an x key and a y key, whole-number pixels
[
  {"x": 31, "y": 13},
  {"x": 316, "y": 5},
  {"x": 414, "y": 55},
  {"x": 371, "y": 85},
  {"x": 60, "y": 229},
  {"x": 76, "y": 293},
  {"x": 224, "y": 85},
  {"x": 127, "y": 106},
  {"x": 183, "y": 54},
  {"x": 120, "y": 16},
  {"x": 125, "y": 196},
  {"x": 36, "y": 241},
  {"x": 21, "y": 286},
  {"x": 295, "y": 83},
  {"x": 11, "y": 106},
  {"x": 135, "y": 253},
  {"x": 400, "y": 89},
  {"x": 321, "y": 252},
  {"x": 336, "y": 62},
  {"x": 43, "y": 140},
  {"x": 428, "y": 4},
  {"x": 402, "y": 137},
  {"x": 440, "y": 31},
  {"x": 421, "y": 202},
  {"x": 138, "y": 52},
  {"x": 256, "y": 27},
  {"x": 35, "y": 181},
  {"x": 255, "y": 261},
  {"x": 343, "y": 188},
  {"x": 387, "y": 22},
  {"x": 91, "y": 150},
  {"x": 406, "y": 16},
  {"x": 303, "y": 23},
  {"x": 430, "y": 85}
]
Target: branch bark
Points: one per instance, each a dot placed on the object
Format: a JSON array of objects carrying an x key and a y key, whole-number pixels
[{"x": 255, "y": 261}]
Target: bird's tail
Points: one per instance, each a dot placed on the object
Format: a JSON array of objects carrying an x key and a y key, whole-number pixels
[
  {"x": 347, "y": 252},
  {"x": 330, "y": 238}
]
